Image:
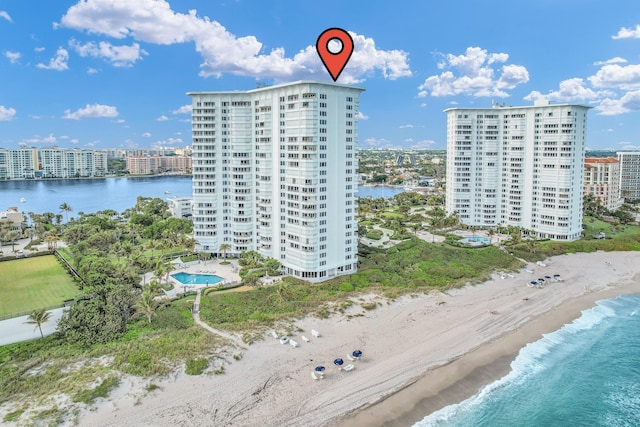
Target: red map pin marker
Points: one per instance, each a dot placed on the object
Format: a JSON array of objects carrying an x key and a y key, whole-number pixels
[{"x": 334, "y": 62}]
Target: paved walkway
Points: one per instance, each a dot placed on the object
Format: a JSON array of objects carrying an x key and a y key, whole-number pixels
[
  {"x": 16, "y": 330},
  {"x": 196, "y": 318}
]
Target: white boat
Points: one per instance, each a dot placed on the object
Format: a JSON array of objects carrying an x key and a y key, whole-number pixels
[{"x": 22, "y": 200}]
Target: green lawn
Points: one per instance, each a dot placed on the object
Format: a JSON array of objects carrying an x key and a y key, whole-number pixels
[{"x": 29, "y": 283}]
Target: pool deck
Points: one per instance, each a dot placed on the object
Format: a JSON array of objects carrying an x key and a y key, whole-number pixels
[{"x": 228, "y": 273}]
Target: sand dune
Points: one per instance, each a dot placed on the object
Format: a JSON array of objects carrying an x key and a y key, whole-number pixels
[{"x": 420, "y": 353}]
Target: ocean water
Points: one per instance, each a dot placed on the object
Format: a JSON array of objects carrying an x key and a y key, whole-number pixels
[{"x": 585, "y": 374}]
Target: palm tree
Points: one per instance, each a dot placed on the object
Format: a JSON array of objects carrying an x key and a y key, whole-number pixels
[
  {"x": 224, "y": 248},
  {"x": 66, "y": 208},
  {"x": 146, "y": 305},
  {"x": 38, "y": 317}
]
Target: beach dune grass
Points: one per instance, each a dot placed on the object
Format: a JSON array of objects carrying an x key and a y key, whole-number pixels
[
  {"x": 410, "y": 266},
  {"x": 30, "y": 283}
]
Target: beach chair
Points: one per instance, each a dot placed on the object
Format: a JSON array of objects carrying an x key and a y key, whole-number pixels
[
  {"x": 315, "y": 333},
  {"x": 293, "y": 343},
  {"x": 349, "y": 367},
  {"x": 351, "y": 358},
  {"x": 313, "y": 375},
  {"x": 273, "y": 333},
  {"x": 305, "y": 339}
]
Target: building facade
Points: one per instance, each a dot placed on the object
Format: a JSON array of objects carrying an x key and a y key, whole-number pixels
[
  {"x": 518, "y": 166},
  {"x": 602, "y": 180},
  {"x": 629, "y": 174},
  {"x": 72, "y": 163},
  {"x": 18, "y": 164},
  {"x": 274, "y": 170}
]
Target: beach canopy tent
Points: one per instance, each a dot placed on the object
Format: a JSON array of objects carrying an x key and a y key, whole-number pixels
[{"x": 177, "y": 261}]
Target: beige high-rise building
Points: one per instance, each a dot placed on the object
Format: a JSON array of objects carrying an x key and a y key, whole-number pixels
[{"x": 602, "y": 180}]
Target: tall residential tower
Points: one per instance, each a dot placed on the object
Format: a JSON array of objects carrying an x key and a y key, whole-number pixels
[
  {"x": 274, "y": 170},
  {"x": 519, "y": 166}
]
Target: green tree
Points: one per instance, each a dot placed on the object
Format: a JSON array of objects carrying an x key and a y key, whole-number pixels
[
  {"x": 38, "y": 317},
  {"x": 224, "y": 248},
  {"x": 66, "y": 209},
  {"x": 146, "y": 305}
]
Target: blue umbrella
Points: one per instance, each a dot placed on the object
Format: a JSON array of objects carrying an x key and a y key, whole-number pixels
[
  {"x": 556, "y": 275},
  {"x": 357, "y": 353},
  {"x": 319, "y": 368},
  {"x": 533, "y": 282},
  {"x": 547, "y": 277},
  {"x": 338, "y": 362}
]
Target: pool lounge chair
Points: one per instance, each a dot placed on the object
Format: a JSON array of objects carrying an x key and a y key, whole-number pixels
[
  {"x": 349, "y": 367},
  {"x": 315, "y": 333},
  {"x": 305, "y": 339},
  {"x": 313, "y": 375},
  {"x": 273, "y": 333},
  {"x": 351, "y": 358},
  {"x": 293, "y": 343}
]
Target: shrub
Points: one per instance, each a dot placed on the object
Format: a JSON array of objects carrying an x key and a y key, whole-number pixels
[
  {"x": 103, "y": 390},
  {"x": 196, "y": 366},
  {"x": 374, "y": 234}
]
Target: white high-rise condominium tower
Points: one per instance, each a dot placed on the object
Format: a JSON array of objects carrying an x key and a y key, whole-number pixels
[
  {"x": 519, "y": 166},
  {"x": 274, "y": 170}
]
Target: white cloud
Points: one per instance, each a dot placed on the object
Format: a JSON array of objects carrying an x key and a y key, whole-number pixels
[
  {"x": 153, "y": 21},
  {"x": 474, "y": 75},
  {"x": 377, "y": 142},
  {"x": 146, "y": 134},
  {"x": 625, "y": 77},
  {"x": 407, "y": 126},
  {"x": 74, "y": 141},
  {"x": 119, "y": 56},
  {"x": 39, "y": 49},
  {"x": 570, "y": 90},
  {"x": 425, "y": 143},
  {"x": 38, "y": 140},
  {"x": 168, "y": 141},
  {"x": 628, "y": 33},
  {"x": 35, "y": 117},
  {"x": 185, "y": 109},
  {"x": 58, "y": 62},
  {"x": 7, "y": 113},
  {"x": 5, "y": 15},
  {"x": 119, "y": 121},
  {"x": 361, "y": 116},
  {"x": 408, "y": 140},
  {"x": 63, "y": 137},
  {"x": 91, "y": 111},
  {"x": 630, "y": 101},
  {"x": 162, "y": 118},
  {"x": 13, "y": 57},
  {"x": 92, "y": 143},
  {"x": 615, "y": 60},
  {"x": 92, "y": 70}
]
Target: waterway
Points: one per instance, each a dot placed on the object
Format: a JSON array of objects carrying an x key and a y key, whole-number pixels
[{"x": 119, "y": 194}]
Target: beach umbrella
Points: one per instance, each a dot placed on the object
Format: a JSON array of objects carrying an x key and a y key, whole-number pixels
[
  {"x": 540, "y": 279},
  {"x": 338, "y": 362},
  {"x": 547, "y": 277},
  {"x": 320, "y": 369},
  {"x": 556, "y": 275},
  {"x": 357, "y": 353},
  {"x": 533, "y": 282}
]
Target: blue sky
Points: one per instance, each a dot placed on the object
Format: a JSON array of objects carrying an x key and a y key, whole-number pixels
[{"x": 114, "y": 73}]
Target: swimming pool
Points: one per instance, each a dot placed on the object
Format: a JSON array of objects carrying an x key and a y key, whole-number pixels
[
  {"x": 475, "y": 240},
  {"x": 196, "y": 279}
]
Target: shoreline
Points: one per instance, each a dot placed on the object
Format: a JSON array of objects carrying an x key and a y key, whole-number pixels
[
  {"x": 465, "y": 376},
  {"x": 421, "y": 353}
]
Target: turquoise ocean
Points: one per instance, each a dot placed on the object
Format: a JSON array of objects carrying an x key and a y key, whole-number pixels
[{"x": 585, "y": 374}]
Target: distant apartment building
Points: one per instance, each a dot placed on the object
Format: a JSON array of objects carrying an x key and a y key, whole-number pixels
[
  {"x": 518, "y": 166},
  {"x": 72, "y": 163},
  {"x": 180, "y": 207},
  {"x": 20, "y": 163},
  {"x": 602, "y": 180},
  {"x": 274, "y": 170},
  {"x": 629, "y": 174},
  {"x": 147, "y": 165}
]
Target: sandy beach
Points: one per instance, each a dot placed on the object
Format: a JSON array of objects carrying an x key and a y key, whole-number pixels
[{"x": 420, "y": 353}]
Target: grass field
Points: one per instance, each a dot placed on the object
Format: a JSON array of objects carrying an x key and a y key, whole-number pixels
[{"x": 29, "y": 283}]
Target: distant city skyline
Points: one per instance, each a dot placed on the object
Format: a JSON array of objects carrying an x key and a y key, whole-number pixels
[{"x": 114, "y": 74}]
